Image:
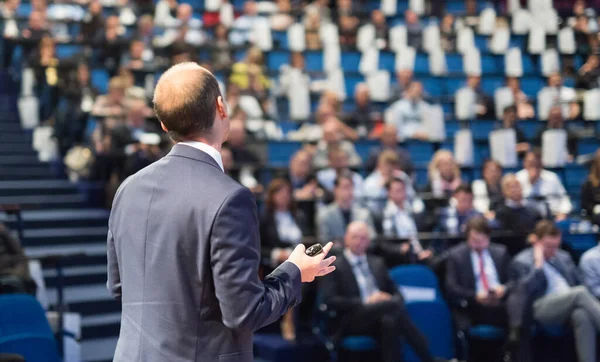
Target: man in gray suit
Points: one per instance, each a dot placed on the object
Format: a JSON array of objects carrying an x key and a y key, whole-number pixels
[
  {"x": 183, "y": 242},
  {"x": 333, "y": 220},
  {"x": 550, "y": 282}
]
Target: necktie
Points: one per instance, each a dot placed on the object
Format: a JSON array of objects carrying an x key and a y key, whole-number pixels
[
  {"x": 368, "y": 284},
  {"x": 482, "y": 275}
]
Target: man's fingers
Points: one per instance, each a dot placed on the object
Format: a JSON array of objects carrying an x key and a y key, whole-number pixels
[
  {"x": 325, "y": 271},
  {"x": 301, "y": 248},
  {"x": 326, "y": 262},
  {"x": 327, "y": 248}
]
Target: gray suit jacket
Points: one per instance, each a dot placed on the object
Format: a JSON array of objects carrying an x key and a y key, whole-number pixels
[
  {"x": 183, "y": 257},
  {"x": 331, "y": 225}
]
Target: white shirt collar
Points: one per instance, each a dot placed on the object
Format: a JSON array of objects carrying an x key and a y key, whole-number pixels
[
  {"x": 352, "y": 258},
  {"x": 212, "y": 152}
]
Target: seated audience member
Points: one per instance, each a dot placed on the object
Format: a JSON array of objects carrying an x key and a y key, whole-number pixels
[
  {"x": 556, "y": 121},
  {"x": 303, "y": 181},
  {"x": 590, "y": 270},
  {"x": 282, "y": 227},
  {"x": 242, "y": 27},
  {"x": 515, "y": 215},
  {"x": 590, "y": 191},
  {"x": 539, "y": 183},
  {"x": 333, "y": 137},
  {"x": 448, "y": 33},
  {"x": 93, "y": 21},
  {"x": 45, "y": 65},
  {"x": 444, "y": 175},
  {"x": 312, "y": 24},
  {"x": 563, "y": 96},
  {"x": 367, "y": 301},
  {"x": 334, "y": 218},
  {"x": 338, "y": 164},
  {"x": 222, "y": 52},
  {"x": 510, "y": 121},
  {"x": 184, "y": 29},
  {"x": 398, "y": 222},
  {"x": 236, "y": 141},
  {"x": 414, "y": 29},
  {"x": 589, "y": 74},
  {"x": 165, "y": 12},
  {"x": 362, "y": 118},
  {"x": 483, "y": 103},
  {"x": 408, "y": 113},
  {"x": 453, "y": 219},
  {"x": 253, "y": 65},
  {"x": 389, "y": 141},
  {"x": 79, "y": 96},
  {"x": 137, "y": 57},
  {"x": 477, "y": 278},
  {"x": 347, "y": 23},
  {"x": 110, "y": 43},
  {"x": 14, "y": 266},
  {"x": 488, "y": 191},
  {"x": 282, "y": 19},
  {"x": 549, "y": 278},
  {"x": 382, "y": 29},
  {"x": 242, "y": 174},
  {"x": 374, "y": 187},
  {"x": 112, "y": 104},
  {"x": 404, "y": 78},
  {"x": 145, "y": 30},
  {"x": 521, "y": 101},
  {"x": 37, "y": 27}
]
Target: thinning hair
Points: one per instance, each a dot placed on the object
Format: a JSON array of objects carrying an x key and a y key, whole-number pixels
[{"x": 185, "y": 100}]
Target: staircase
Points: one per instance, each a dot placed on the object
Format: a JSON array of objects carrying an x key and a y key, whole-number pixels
[{"x": 58, "y": 218}]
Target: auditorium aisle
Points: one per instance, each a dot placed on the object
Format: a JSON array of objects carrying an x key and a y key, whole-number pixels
[{"x": 58, "y": 219}]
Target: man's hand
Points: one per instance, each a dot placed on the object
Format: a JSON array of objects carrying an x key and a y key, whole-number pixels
[
  {"x": 378, "y": 297},
  {"x": 483, "y": 298},
  {"x": 538, "y": 255},
  {"x": 312, "y": 266},
  {"x": 499, "y": 292},
  {"x": 425, "y": 254}
]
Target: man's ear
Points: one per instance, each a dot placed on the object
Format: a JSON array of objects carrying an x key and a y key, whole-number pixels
[
  {"x": 221, "y": 107},
  {"x": 162, "y": 125}
]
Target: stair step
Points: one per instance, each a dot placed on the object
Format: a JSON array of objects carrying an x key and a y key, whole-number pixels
[
  {"x": 15, "y": 148},
  {"x": 11, "y": 126},
  {"x": 73, "y": 276},
  {"x": 47, "y": 201},
  {"x": 19, "y": 160},
  {"x": 21, "y": 137},
  {"x": 40, "y": 170},
  {"x": 59, "y": 218},
  {"x": 37, "y": 187},
  {"x": 56, "y": 236},
  {"x": 90, "y": 250}
]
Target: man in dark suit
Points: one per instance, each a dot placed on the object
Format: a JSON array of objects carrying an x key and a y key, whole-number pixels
[
  {"x": 183, "y": 242},
  {"x": 367, "y": 301},
  {"x": 550, "y": 282},
  {"x": 477, "y": 277}
]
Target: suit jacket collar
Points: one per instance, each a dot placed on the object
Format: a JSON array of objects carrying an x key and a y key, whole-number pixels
[
  {"x": 194, "y": 154},
  {"x": 466, "y": 260}
]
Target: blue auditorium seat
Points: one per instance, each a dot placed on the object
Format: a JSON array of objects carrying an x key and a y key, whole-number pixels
[
  {"x": 415, "y": 275},
  {"x": 532, "y": 85},
  {"x": 517, "y": 41},
  {"x": 486, "y": 332},
  {"x": 419, "y": 151},
  {"x": 452, "y": 84},
  {"x": 277, "y": 58},
  {"x": 351, "y": 81},
  {"x": 454, "y": 63},
  {"x": 24, "y": 10},
  {"x": 314, "y": 61},
  {"x": 387, "y": 61},
  {"x": 99, "y": 79},
  {"x": 350, "y": 61},
  {"x": 198, "y": 5},
  {"x": 421, "y": 64},
  {"x": 280, "y": 38},
  {"x": 65, "y": 51},
  {"x": 586, "y": 146},
  {"x": 452, "y": 126},
  {"x": 481, "y": 43},
  {"x": 529, "y": 67},
  {"x": 435, "y": 322},
  {"x": 492, "y": 64},
  {"x": 481, "y": 128},
  {"x": 489, "y": 84},
  {"x": 239, "y": 55},
  {"x": 575, "y": 175},
  {"x": 273, "y": 348},
  {"x": 363, "y": 148},
  {"x": 579, "y": 243},
  {"x": 434, "y": 86},
  {"x": 530, "y": 127},
  {"x": 279, "y": 153},
  {"x": 455, "y": 7},
  {"x": 24, "y": 329}
]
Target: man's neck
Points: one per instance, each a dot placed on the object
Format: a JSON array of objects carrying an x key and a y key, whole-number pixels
[
  {"x": 345, "y": 206},
  {"x": 216, "y": 145}
]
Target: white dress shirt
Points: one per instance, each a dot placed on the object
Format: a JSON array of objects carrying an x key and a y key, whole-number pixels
[
  {"x": 399, "y": 223},
  {"x": 364, "y": 278},
  {"x": 557, "y": 284},
  {"x": 488, "y": 267},
  {"x": 326, "y": 178},
  {"x": 212, "y": 152},
  {"x": 408, "y": 117},
  {"x": 550, "y": 186}
]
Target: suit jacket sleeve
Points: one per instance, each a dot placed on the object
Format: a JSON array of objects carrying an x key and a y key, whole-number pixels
[
  {"x": 245, "y": 301},
  {"x": 114, "y": 276},
  {"x": 456, "y": 291},
  {"x": 331, "y": 289},
  {"x": 531, "y": 280}
]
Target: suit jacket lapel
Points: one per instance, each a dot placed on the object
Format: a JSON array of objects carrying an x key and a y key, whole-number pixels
[
  {"x": 468, "y": 267},
  {"x": 350, "y": 282}
]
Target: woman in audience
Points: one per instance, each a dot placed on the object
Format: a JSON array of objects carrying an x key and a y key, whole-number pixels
[
  {"x": 282, "y": 19},
  {"x": 590, "y": 191},
  {"x": 589, "y": 74},
  {"x": 524, "y": 107},
  {"x": 252, "y": 66},
  {"x": 312, "y": 25},
  {"x": 222, "y": 58},
  {"x": 282, "y": 227},
  {"x": 444, "y": 175},
  {"x": 448, "y": 33},
  {"x": 488, "y": 191},
  {"x": 45, "y": 65}
]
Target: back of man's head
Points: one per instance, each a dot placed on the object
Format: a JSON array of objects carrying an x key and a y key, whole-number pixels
[{"x": 185, "y": 101}]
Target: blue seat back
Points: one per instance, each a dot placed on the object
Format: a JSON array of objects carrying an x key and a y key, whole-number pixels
[
  {"x": 23, "y": 325},
  {"x": 435, "y": 322},
  {"x": 415, "y": 276}
]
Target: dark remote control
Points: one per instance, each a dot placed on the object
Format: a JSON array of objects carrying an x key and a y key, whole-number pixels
[{"x": 314, "y": 250}]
